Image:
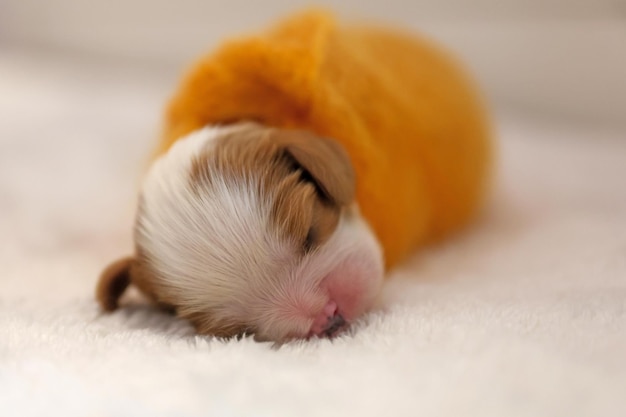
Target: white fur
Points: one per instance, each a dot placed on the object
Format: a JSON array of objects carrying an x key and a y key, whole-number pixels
[{"x": 218, "y": 251}]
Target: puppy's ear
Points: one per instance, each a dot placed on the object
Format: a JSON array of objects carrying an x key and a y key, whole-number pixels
[
  {"x": 325, "y": 161},
  {"x": 113, "y": 282}
]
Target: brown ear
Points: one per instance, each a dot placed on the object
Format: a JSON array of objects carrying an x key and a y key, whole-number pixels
[
  {"x": 113, "y": 282},
  {"x": 325, "y": 160}
]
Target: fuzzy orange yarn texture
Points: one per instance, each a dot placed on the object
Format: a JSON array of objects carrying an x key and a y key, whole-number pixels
[{"x": 406, "y": 112}]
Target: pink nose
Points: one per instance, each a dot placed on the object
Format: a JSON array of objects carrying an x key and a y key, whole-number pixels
[{"x": 328, "y": 322}]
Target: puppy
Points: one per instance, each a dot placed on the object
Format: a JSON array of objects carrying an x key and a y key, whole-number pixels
[
  {"x": 298, "y": 166},
  {"x": 251, "y": 229}
]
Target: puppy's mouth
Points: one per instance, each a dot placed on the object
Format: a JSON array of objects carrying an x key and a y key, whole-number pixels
[{"x": 329, "y": 322}]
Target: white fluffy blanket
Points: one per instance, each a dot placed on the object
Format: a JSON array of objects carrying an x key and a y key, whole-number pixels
[{"x": 524, "y": 315}]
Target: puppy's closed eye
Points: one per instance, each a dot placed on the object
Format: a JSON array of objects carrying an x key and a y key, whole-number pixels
[
  {"x": 304, "y": 176},
  {"x": 323, "y": 162},
  {"x": 309, "y": 240},
  {"x": 324, "y": 166},
  {"x": 314, "y": 234}
]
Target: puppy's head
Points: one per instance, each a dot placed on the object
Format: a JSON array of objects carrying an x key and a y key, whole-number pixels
[{"x": 248, "y": 229}]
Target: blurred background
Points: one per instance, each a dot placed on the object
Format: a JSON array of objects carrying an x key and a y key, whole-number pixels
[{"x": 544, "y": 58}]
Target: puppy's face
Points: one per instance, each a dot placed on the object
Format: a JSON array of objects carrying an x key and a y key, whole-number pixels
[{"x": 248, "y": 229}]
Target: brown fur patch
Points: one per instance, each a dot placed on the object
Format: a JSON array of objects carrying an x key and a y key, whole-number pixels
[
  {"x": 113, "y": 282},
  {"x": 119, "y": 275},
  {"x": 325, "y": 161},
  {"x": 310, "y": 178}
]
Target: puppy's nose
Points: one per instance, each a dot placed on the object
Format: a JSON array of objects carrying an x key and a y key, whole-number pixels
[{"x": 334, "y": 324}]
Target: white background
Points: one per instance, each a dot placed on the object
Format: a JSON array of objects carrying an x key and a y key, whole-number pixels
[{"x": 564, "y": 58}]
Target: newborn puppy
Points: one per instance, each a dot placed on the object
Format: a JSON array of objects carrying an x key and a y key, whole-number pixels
[
  {"x": 252, "y": 229},
  {"x": 370, "y": 142}
]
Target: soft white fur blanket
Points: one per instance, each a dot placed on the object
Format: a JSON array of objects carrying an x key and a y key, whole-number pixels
[{"x": 523, "y": 315}]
